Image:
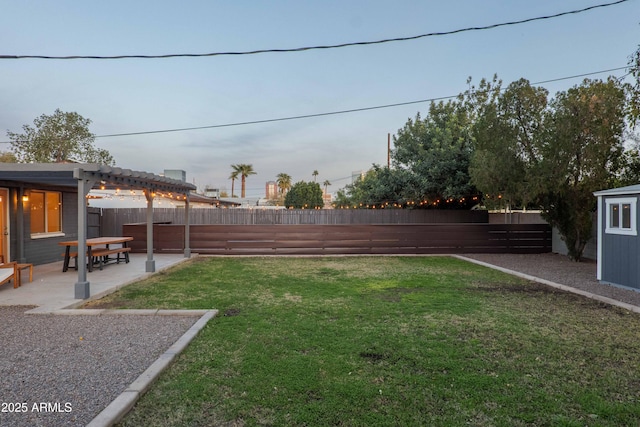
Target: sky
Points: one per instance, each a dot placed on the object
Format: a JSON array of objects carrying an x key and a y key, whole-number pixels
[{"x": 143, "y": 95}]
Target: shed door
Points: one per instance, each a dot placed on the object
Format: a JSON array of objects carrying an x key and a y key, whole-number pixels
[{"x": 4, "y": 225}]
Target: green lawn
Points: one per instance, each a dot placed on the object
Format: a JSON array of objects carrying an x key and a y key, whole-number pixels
[{"x": 377, "y": 341}]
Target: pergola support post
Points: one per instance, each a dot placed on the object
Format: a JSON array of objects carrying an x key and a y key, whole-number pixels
[
  {"x": 20, "y": 226},
  {"x": 187, "y": 226},
  {"x": 150, "y": 265},
  {"x": 82, "y": 286}
]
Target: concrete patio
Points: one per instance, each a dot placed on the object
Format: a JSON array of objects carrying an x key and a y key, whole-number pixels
[{"x": 53, "y": 290}]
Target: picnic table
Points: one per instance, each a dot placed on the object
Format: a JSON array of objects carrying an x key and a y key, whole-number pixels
[{"x": 99, "y": 251}]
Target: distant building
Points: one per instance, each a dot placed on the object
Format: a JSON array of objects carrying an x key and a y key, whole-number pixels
[
  {"x": 271, "y": 190},
  {"x": 115, "y": 198},
  {"x": 176, "y": 174},
  {"x": 212, "y": 192},
  {"x": 327, "y": 199}
]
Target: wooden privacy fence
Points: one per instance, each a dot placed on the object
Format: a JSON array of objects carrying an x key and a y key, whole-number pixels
[
  {"x": 345, "y": 239},
  {"x": 114, "y": 219}
]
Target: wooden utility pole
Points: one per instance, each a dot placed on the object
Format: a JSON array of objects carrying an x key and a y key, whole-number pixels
[{"x": 388, "y": 150}]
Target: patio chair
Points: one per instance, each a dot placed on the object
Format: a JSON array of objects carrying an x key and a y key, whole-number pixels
[
  {"x": 8, "y": 272},
  {"x": 19, "y": 268}
]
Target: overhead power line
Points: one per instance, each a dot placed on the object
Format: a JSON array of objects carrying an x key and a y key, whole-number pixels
[
  {"x": 333, "y": 46},
  {"x": 333, "y": 113},
  {"x": 330, "y": 113},
  {"x": 281, "y": 119}
]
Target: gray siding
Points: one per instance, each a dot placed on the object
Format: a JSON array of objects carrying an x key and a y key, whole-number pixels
[
  {"x": 620, "y": 256},
  {"x": 45, "y": 250}
]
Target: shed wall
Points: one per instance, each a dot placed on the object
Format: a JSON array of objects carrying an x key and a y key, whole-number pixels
[{"x": 620, "y": 256}]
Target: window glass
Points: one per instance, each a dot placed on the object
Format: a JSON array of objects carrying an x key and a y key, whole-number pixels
[
  {"x": 37, "y": 212},
  {"x": 626, "y": 215},
  {"x": 53, "y": 212},
  {"x": 615, "y": 216},
  {"x": 46, "y": 212},
  {"x": 621, "y": 216}
]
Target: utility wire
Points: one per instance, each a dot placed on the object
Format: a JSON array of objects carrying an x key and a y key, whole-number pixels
[
  {"x": 331, "y": 113},
  {"x": 334, "y": 46},
  {"x": 281, "y": 119}
]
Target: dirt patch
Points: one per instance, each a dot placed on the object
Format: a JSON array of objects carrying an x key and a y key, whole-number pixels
[
  {"x": 375, "y": 357},
  {"x": 529, "y": 288},
  {"x": 231, "y": 312},
  {"x": 294, "y": 298}
]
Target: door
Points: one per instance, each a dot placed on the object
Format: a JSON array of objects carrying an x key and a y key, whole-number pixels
[{"x": 4, "y": 225}]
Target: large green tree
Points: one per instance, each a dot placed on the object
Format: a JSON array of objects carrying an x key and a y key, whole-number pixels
[
  {"x": 430, "y": 160},
  {"x": 381, "y": 186},
  {"x": 304, "y": 195},
  {"x": 583, "y": 152},
  {"x": 60, "y": 137},
  {"x": 437, "y": 151},
  {"x": 507, "y": 135},
  {"x": 553, "y": 153}
]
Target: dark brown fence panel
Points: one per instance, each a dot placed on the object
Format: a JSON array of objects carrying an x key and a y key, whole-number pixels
[
  {"x": 114, "y": 219},
  {"x": 93, "y": 223},
  {"x": 346, "y": 239},
  {"x": 139, "y": 234}
]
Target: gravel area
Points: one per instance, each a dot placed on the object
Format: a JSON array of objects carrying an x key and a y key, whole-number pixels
[
  {"x": 68, "y": 368},
  {"x": 559, "y": 269}
]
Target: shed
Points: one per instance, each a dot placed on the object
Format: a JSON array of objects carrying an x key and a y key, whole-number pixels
[
  {"x": 618, "y": 241},
  {"x": 42, "y": 204}
]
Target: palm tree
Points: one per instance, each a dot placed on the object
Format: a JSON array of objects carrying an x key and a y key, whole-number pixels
[
  {"x": 233, "y": 177},
  {"x": 315, "y": 175},
  {"x": 244, "y": 171},
  {"x": 284, "y": 182},
  {"x": 326, "y": 183}
]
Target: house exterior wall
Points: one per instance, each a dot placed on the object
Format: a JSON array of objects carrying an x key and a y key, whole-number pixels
[
  {"x": 46, "y": 249},
  {"x": 620, "y": 253},
  {"x": 39, "y": 250}
]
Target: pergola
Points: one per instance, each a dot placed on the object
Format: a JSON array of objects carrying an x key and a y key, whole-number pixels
[{"x": 84, "y": 177}]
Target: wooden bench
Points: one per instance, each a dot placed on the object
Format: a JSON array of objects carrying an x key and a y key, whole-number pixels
[{"x": 101, "y": 256}]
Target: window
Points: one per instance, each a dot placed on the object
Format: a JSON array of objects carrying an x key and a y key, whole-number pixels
[
  {"x": 46, "y": 212},
  {"x": 621, "y": 216}
]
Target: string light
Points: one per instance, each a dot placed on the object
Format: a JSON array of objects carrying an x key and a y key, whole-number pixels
[{"x": 410, "y": 204}]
